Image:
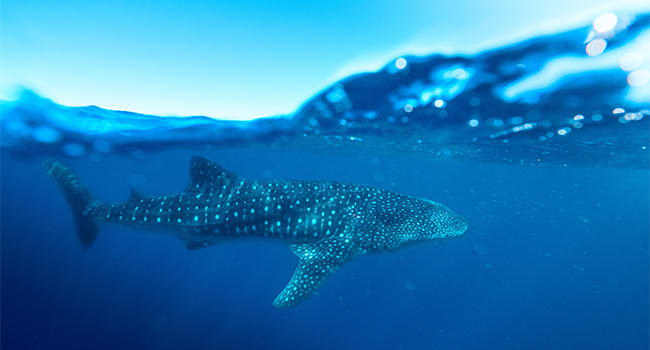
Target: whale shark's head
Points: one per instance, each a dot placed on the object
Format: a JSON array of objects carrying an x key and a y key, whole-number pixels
[
  {"x": 427, "y": 219},
  {"x": 408, "y": 219},
  {"x": 442, "y": 222}
]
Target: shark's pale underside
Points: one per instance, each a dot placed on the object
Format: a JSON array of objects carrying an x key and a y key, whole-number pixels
[{"x": 324, "y": 223}]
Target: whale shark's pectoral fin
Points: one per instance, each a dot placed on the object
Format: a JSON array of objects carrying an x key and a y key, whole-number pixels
[
  {"x": 194, "y": 245},
  {"x": 317, "y": 261},
  {"x": 204, "y": 243}
]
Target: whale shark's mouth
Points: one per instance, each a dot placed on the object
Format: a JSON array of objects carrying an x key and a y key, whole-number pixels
[{"x": 462, "y": 225}]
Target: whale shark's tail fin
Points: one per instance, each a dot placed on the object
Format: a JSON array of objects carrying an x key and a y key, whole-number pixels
[{"x": 79, "y": 199}]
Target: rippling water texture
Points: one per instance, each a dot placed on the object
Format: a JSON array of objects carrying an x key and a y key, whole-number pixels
[{"x": 572, "y": 98}]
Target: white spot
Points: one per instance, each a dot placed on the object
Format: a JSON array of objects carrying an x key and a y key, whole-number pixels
[
  {"x": 400, "y": 63},
  {"x": 638, "y": 78},
  {"x": 439, "y": 103},
  {"x": 605, "y": 22},
  {"x": 473, "y": 123},
  {"x": 408, "y": 108},
  {"x": 460, "y": 74},
  {"x": 596, "y": 47},
  {"x": 630, "y": 61}
]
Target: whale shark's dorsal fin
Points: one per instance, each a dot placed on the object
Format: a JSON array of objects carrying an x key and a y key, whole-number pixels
[
  {"x": 135, "y": 195},
  {"x": 205, "y": 174},
  {"x": 317, "y": 261}
]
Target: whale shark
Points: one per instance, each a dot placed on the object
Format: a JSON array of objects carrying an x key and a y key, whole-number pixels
[{"x": 326, "y": 224}]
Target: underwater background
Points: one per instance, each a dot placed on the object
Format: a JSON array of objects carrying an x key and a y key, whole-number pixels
[{"x": 542, "y": 145}]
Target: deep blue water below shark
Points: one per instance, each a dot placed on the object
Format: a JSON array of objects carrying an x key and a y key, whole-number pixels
[{"x": 553, "y": 180}]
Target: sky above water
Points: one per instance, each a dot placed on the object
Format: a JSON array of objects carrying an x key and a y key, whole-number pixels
[{"x": 245, "y": 59}]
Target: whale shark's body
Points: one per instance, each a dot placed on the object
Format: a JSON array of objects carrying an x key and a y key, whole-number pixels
[{"x": 325, "y": 223}]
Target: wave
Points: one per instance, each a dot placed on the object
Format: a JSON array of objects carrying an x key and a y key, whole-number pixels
[{"x": 554, "y": 100}]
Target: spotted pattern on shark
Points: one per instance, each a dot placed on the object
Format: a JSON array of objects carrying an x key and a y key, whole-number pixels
[{"x": 325, "y": 224}]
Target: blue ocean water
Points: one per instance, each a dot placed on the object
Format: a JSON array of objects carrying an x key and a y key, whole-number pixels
[{"x": 549, "y": 165}]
